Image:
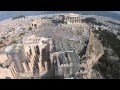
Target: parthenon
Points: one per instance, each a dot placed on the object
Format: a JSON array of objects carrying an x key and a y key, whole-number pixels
[{"x": 71, "y": 18}]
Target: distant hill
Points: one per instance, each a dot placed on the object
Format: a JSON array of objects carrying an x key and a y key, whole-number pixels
[
  {"x": 11, "y": 14},
  {"x": 99, "y": 13}
]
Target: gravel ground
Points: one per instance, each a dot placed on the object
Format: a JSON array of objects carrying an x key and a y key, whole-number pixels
[{"x": 70, "y": 37}]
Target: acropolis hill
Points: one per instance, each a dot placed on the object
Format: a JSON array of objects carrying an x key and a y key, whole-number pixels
[{"x": 55, "y": 46}]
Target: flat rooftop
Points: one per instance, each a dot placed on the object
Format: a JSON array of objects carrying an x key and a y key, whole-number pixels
[{"x": 33, "y": 39}]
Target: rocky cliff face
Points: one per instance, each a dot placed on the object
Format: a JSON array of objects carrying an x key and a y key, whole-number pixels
[
  {"x": 109, "y": 63},
  {"x": 93, "y": 53}
]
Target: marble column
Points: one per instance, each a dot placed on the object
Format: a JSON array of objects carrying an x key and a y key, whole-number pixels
[
  {"x": 13, "y": 73},
  {"x": 78, "y": 19},
  {"x": 73, "y": 19},
  {"x": 14, "y": 70},
  {"x": 30, "y": 66},
  {"x": 25, "y": 68}
]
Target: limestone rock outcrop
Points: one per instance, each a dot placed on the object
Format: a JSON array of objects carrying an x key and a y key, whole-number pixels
[{"x": 93, "y": 53}]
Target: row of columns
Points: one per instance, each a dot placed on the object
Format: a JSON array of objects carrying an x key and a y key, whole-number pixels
[
  {"x": 72, "y": 19},
  {"x": 30, "y": 64},
  {"x": 13, "y": 71}
]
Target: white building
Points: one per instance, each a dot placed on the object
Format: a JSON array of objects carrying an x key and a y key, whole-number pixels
[
  {"x": 71, "y": 18},
  {"x": 37, "y": 49}
]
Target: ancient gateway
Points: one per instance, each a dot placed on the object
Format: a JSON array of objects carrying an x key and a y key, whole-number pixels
[{"x": 70, "y": 18}]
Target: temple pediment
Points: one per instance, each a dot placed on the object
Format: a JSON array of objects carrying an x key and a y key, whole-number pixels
[{"x": 72, "y": 15}]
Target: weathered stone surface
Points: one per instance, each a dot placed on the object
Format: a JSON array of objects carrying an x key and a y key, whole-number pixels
[{"x": 94, "y": 52}]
